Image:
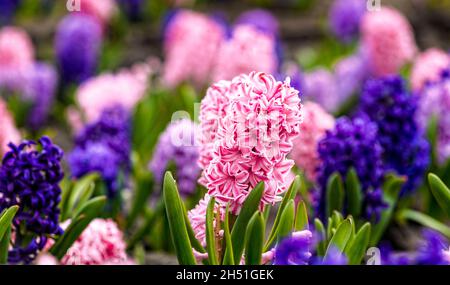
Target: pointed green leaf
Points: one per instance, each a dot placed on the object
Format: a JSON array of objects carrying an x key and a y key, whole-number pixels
[
  {"x": 440, "y": 192},
  {"x": 177, "y": 225},
  {"x": 286, "y": 221},
  {"x": 391, "y": 190},
  {"x": 354, "y": 193},
  {"x": 341, "y": 237},
  {"x": 228, "y": 258},
  {"x": 80, "y": 191},
  {"x": 320, "y": 230},
  {"x": 426, "y": 221},
  {"x": 290, "y": 194},
  {"x": 301, "y": 219},
  {"x": 210, "y": 233},
  {"x": 250, "y": 206},
  {"x": 335, "y": 194},
  {"x": 6, "y": 219},
  {"x": 356, "y": 249},
  {"x": 194, "y": 241},
  {"x": 254, "y": 240},
  {"x": 4, "y": 245},
  {"x": 92, "y": 208}
]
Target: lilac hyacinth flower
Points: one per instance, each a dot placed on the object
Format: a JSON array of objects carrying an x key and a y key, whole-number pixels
[
  {"x": 345, "y": 18},
  {"x": 294, "y": 250},
  {"x": 388, "y": 103},
  {"x": 178, "y": 145},
  {"x": 354, "y": 143},
  {"x": 7, "y": 10},
  {"x": 320, "y": 87},
  {"x": 77, "y": 44},
  {"x": 261, "y": 19},
  {"x": 30, "y": 174},
  {"x": 39, "y": 88},
  {"x": 104, "y": 147},
  {"x": 432, "y": 250},
  {"x": 350, "y": 74}
]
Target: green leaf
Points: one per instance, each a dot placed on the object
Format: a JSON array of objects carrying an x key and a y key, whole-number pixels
[
  {"x": 176, "y": 222},
  {"x": 290, "y": 194},
  {"x": 149, "y": 222},
  {"x": 335, "y": 194},
  {"x": 250, "y": 206},
  {"x": 341, "y": 237},
  {"x": 228, "y": 258},
  {"x": 210, "y": 236},
  {"x": 301, "y": 219},
  {"x": 286, "y": 221},
  {"x": 357, "y": 247},
  {"x": 391, "y": 190},
  {"x": 354, "y": 193},
  {"x": 92, "y": 208},
  {"x": 254, "y": 240},
  {"x": 4, "y": 245},
  {"x": 440, "y": 192},
  {"x": 320, "y": 230},
  {"x": 194, "y": 241},
  {"x": 6, "y": 219},
  {"x": 426, "y": 221},
  {"x": 81, "y": 192}
]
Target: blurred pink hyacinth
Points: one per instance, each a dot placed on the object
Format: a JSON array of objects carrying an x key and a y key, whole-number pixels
[
  {"x": 192, "y": 41},
  {"x": 100, "y": 243},
  {"x": 16, "y": 55},
  {"x": 124, "y": 88},
  {"x": 197, "y": 218},
  {"x": 248, "y": 50},
  {"x": 253, "y": 134},
  {"x": 101, "y": 10},
  {"x": 8, "y": 131},
  {"x": 388, "y": 39},
  {"x": 428, "y": 67},
  {"x": 46, "y": 259},
  {"x": 315, "y": 124}
]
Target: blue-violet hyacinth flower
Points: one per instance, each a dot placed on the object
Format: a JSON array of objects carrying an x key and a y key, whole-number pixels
[
  {"x": 29, "y": 177},
  {"x": 178, "y": 145},
  {"x": 7, "y": 10},
  {"x": 433, "y": 250},
  {"x": 104, "y": 147},
  {"x": 387, "y": 102},
  {"x": 353, "y": 143},
  {"x": 294, "y": 250},
  {"x": 345, "y": 17},
  {"x": 133, "y": 8},
  {"x": 77, "y": 43}
]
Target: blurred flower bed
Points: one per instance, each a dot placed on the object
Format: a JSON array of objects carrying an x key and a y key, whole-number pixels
[{"x": 292, "y": 132}]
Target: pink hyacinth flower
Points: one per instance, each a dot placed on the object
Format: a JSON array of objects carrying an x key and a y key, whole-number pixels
[
  {"x": 101, "y": 10},
  {"x": 315, "y": 124},
  {"x": 428, "y": 67},
  {"x": 253, "y": 130},
  {"x": 8, "y": 131},
  {"x": 388, "y": 39},
  {"x": 192, "y": 41},
  {"x": 16, "y": 55},
  {"x": 248, "y": 50},
  {"x": 124, "y": 88},
  {"x": 100, "y": 243}
]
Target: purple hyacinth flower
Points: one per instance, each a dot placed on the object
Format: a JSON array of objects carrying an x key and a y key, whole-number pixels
[
  {"x": 30, "y": 174},
  {"x": 261, "y": 19},
  {"x": 333, "y": 257},
  {"x": 353, "y": 143},
  {"x": 104, "y": 147},
  {"x": 177, "y": 145},
  {"x": 7, "y": 10},
  {"x": 320, "y": 86},
  {"x": 388, "y": 103},
  {"x": 294, "y": 250},
  {"x": 77, "y": 44},
  {"x": 39, "y": 88},
  {"x": 350, "y": 74},
  {"x": 345, "y": 17},
  {"x": 431, "y": 251}
]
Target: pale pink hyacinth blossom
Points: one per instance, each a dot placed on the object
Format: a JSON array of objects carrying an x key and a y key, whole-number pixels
[
  {"x": 388, "y": 39},
  {"x": 100, "y": 243},
  {"x": 255, "y": 131},
  {"x": 124, "y": 88},
  {"x": 428, "y": 67},
  {"x": 16, "y": 55},
  {"x": 8, "y": 130},
  {"x": 315, "y": 124},
  {"x": 446, "y": 254},
  {"x": 101, "y": 10},
  {"x": 248, "y": 50},
  {"x": 197, "y": 218},
  {"x": 191, "y": 43},
  {"x": 46, "y": 259}
]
